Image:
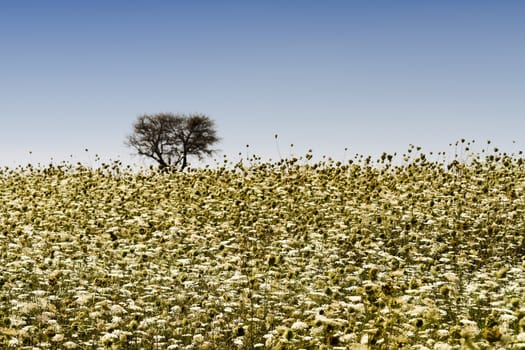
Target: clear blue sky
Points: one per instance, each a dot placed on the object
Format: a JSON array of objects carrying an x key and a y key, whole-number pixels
[{"x": 369, "y": 75}]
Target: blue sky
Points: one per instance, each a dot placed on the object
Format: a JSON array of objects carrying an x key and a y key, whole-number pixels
[{"x": 369, "y": 75}]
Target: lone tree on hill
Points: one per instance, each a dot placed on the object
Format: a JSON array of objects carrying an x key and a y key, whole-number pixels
[{"x": 171, "y": 138}]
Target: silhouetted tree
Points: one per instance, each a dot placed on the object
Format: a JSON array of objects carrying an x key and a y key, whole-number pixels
[{"x": 171, "y": 138}]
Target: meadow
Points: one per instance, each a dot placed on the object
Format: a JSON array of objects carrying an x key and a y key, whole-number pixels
[{"x": 293, "y": 254}]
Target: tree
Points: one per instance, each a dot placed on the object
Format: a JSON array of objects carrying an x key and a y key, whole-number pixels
[{"x": 171, "y": 138}]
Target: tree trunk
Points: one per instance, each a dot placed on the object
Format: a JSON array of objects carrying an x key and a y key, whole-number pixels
[
  {"x": 162, "y": 163},
  {"x": 184, "y": 161}
]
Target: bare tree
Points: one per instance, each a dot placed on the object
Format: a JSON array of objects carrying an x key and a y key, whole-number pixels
[{"x": 171, "y": 138}]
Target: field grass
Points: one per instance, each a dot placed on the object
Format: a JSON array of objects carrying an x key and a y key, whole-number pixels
[{"x": 285, "y": 255}]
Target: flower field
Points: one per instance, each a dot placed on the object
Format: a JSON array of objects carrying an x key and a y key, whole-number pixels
[{"x": 286, "y": 255}]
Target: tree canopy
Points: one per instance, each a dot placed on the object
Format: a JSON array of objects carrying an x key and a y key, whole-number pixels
[{"x": 170, "y": 139}]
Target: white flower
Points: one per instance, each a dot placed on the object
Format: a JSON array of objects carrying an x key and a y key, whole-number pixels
[
  {"x": 109, "y": 338},
  {"x": 70, "y": 345},
  {"x": 357, "y": 346},
  {"x": 84, "y": 298},
  {"x": 13, "y": 342},
  {"x": 299, "y": 325},
  {"x": 118, "y": 310},
  {"x": 348, "y": 338},
  {"x": 27, "y": 308},
  {"x": 17, "y": 321},
  {"x": 521, "y": 337},
  {"x": 57, "y": 338},
  {"x": 442, "y": 346},
  {"x": 198, "y": 338},
  {"x": 442, "y": 333},
  {"x": 39, "y": 293},
  {"x": 469, "y": 331}
]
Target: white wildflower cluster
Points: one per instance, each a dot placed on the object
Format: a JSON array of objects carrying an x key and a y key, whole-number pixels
[{"x": 279, "y": 255}]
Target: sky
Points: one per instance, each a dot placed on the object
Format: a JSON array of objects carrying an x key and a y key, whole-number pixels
[{"x": 363, "y": 75}]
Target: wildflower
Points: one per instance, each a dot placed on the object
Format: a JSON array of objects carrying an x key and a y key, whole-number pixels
[
  {"x": 299, "y": 326},
  {"x": 442, "y": 346},
  {"x": 57, "y": 338},
  {"x": 451, "y": 277},
  {"x": 13, "y": 343},
  {"x": 357, "y": 346},
  {"x": 198, "y": 339},
  {"x": 521, "y": 338},
  {"x": 109, "y": 338},
  {"x": 469, "y": 330},
  {"x": 27, "y": 308},
  {"x": 467, "y": 344},
  {"x": 117, "y": 310},
  {"x": 70, "y": 345}
]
